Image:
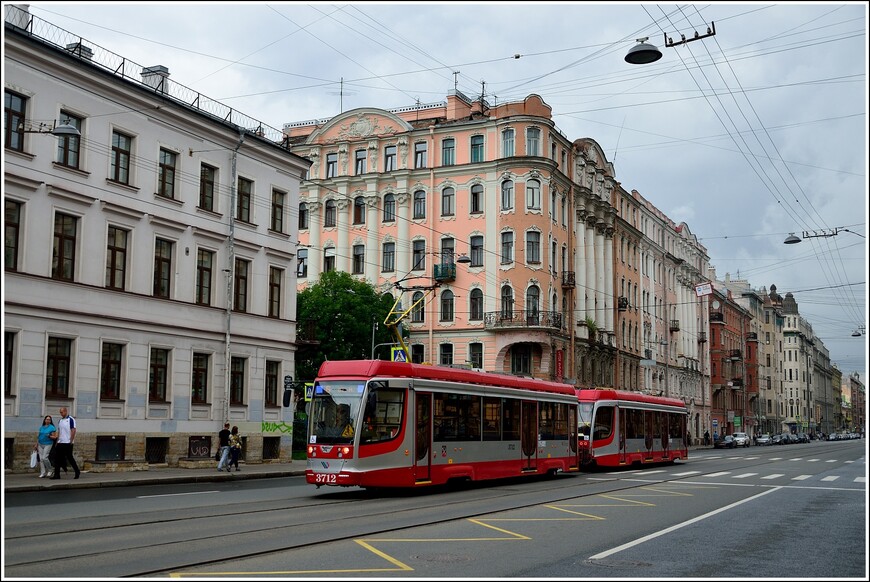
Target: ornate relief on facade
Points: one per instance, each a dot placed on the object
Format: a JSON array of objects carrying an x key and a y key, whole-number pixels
[
  {"x": 364, "y": 126},
  {"x": 403, "y": 152}
]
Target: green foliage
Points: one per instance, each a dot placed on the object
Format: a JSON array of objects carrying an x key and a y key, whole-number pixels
[{"x": 343, "y": 311}]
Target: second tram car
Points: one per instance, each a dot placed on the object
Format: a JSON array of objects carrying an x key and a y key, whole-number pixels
[
  {"x": 374, "y": 423},
  {"x": 619, "y": 428}
]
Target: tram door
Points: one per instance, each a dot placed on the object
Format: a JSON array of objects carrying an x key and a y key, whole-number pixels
[
  {"x": 423, "y": 435},
  {"x": 621, "y": 418},
  {"x": 529, "y": 435}
]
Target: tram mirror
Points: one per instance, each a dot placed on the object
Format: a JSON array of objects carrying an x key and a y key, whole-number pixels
[{"x": 288, "y": 397}]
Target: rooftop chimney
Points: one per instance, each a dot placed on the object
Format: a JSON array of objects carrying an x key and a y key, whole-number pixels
[
  {"x": 156, "y": 77},
  {"x": 80, "y": 50}
]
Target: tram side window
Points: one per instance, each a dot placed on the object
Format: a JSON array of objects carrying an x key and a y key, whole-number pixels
[
  {"x": 675, "y": 424},
  {"x": 491, "y": 418},
  {"x": 383, "y": 415},
  {"x": 560, "y": 427},
  {"x": 603, "y": 426},
  {"x": 457, "y": 417},
  {"x": 511, "y": 420},
  {"x": 546, "y": 420},
  {"x": 634, "y": 424}
]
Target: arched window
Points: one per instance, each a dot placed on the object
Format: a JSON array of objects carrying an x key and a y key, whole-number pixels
[
  {"x": 390, "y": 208},
  {"x": 329, "y": 213},
  {"x": 303, "y": 215},
  {"x": 507, "y": 195},
  {"x": 533, "y": 194},
  {"x": 448, "y": 202},
  {"x": 417, "y": 311},
  {"x": 419, "y": 204},
  {"x": 359, "y": 210},
  {"x": 447, "y": 306},
  {"x": 507, "y": 302},
  {"x": 533, "y": 305},
  {"x": 476, "y": 202},
  {"x": 475, "y": 312}
]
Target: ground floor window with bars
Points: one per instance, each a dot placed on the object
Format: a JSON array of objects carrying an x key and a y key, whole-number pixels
[
  {"x": 156, "y": 449},
  {"x": 271, "y": 448}
]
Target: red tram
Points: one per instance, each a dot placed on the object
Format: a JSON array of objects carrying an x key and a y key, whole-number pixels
[
  {"x": 619, "y": 428},
  {"x": 374, "y": 423}
]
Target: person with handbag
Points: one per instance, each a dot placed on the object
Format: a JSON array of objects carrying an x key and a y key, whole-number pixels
[
  {"x": 235, "y": 448},
  {"x": 43, "y": 446}
]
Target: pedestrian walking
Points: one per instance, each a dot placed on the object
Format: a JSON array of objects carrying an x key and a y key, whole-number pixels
[
  {"x": 66, "y": 438},
  {"x": 44, "y": 444},
  {"x": 706, "y": 438},
  {"x": 224, "y": 443},
  {"x": 235, "y": 447}
]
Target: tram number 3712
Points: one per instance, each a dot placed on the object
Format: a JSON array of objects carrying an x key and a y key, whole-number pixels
[{"x": 325, "y": 478}]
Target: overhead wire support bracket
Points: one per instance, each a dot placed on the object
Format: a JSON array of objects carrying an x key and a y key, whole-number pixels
[
  {"x": 711, "y": 31},
  {"x": 395, "y": 316}
]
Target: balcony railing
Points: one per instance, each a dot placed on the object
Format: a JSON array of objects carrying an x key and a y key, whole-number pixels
[
  {"x": 568, "y": 280},
  {"x": 522, "y": 319},
  {"x": 622, "y": 303},
  {"x": 736, "y": 356},
  {"x": 445, "y": 272},
  {"x": 675, "y": 325},
  {"x": 702, "y": 337}
]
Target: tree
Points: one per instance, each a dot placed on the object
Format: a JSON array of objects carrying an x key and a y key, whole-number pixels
[{"x": 342, "y": 312}]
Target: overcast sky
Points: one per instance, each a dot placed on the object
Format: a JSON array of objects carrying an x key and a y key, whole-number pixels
[{"x": 746, "y": 135}]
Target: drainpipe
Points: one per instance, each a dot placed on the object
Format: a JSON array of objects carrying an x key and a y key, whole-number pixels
[{"x": 231, "y": 259}]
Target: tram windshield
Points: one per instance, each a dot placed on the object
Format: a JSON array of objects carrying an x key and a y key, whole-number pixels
[
  {"x": 334, "y": 411},
  {"x": 585, "y": 419}
]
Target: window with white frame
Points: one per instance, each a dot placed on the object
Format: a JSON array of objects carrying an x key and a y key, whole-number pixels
[
  {"x": 448, "y": 152},
  {"x": 360, "y": 162},
  {"x": 477, "y": 154},
  {"x": 331, "y": 165},
  {"x": 475, "y": 305},
  {"x": 533, "y": 247},
  {"x": 507, "y": 143},
  {"x": 507, "y": 248},
  {"x": 533, "y": 141},
  {"x": 476, "y": 202},
  {"x": 447, "y": 306},
  {"x": 390, "y": 158},
  {"x": 448, "y": 201},
  {"x": 507, "y": 195},
  {"x": 389, "y": 257},
  {"x": 476, "y": 245},
  {"x": 420, "y": 155},
  {"x": 419, "y": 204},
  {"x": 389, "y": 208},
  {"x": 533, "y": 195},
  {"x": 418, "y": 255}
]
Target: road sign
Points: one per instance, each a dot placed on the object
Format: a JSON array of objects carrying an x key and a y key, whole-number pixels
[
  {"x": 715, "y": 423},
  {"x": 288, "y": 382},
  {"x": 309, "y": 391},
  {"x": 398, "y": 355}
]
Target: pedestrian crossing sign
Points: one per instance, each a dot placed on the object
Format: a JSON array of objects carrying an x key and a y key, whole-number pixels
[
  {"x": 309, "y": 391},
  {"x": 399, "y": 355}
]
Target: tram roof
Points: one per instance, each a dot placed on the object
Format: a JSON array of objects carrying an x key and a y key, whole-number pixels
[
  {"x": 375, "y": 368},
  {"x": 613, "y": 394}
]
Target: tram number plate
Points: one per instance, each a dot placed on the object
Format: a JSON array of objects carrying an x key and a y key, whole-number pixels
[{"x": 325, "y": 478}]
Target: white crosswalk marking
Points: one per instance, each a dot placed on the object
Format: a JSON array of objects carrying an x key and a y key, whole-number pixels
[
  {"x": 831, "y": 478},
  {"x": 812, "y": 460},
  {"x": 774, "y": 476},
  {"x": 719, "y": 474},
  {"x": 860, "y": 479},
  {"x": 801, "y": 477},
  {"x": 744, "y": 475},
  {"x": 834, "y": 461},
  {"x": 797, "y": 459},
  {"x": 686, "y": 473}
]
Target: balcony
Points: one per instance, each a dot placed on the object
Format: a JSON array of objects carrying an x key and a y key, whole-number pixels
[
  {"x": 496, "y": 320},
  {"x": 752, "y": 336},
  {"x": 736, "y": 355},
  {"x": 622, "y": 303},
  {"x": 445, "y": 272},
  {"x": 718, "y": 317},
  {"x": 675, "y": 325},
  {"x": 702, "y": 337},
  {"x": 568, "y": 280}
]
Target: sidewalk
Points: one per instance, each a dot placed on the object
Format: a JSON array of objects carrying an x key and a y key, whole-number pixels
[{"x": 17, "y": 482}]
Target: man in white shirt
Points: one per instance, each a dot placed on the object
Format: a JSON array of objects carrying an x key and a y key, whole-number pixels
[{"x": 66, "y": 437}]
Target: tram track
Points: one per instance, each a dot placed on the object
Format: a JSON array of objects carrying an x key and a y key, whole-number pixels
[{"x": 159, "y": 543}]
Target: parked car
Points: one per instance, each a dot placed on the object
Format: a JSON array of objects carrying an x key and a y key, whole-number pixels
[
  {"x": 793, "y": 439},
  {"x": 763, "y": 440},
  {"x": 776, "y": 440},
  {"x": 803, "y": 437},
  {"x": 741, "y": 439},
  {"x": 726, "y": 442}
]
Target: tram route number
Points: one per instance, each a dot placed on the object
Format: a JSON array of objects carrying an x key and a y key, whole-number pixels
[{"x": 325, "y": 478}]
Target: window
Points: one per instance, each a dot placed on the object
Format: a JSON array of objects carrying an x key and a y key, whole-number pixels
[
  {"x": 158, "y": 377},
  {"x": 116, "y": 258},
  {"x": 389, "y": 260},
  {"x": 476, "y": 149},
  {"x": 420, "y": 154},
  {"x": 277, "y": 223},
  {"x": 9, "y": 338},
  {"x": 12, "y": 229},
  {"x": 553, "y": 256},
  {"x": 359, "y": 210},
  {"x": 207, "y": 179},
  {"x": 507, "y": 143},
  {"x": 16, "y": 109},
  {"x": 63, "y": 262},
  {"x": 237, "y": 381},
  {"x": 447, "y": 306},
  {"x": 240, "y": 287},
  {"x": 359, "y": 260},
  {"x": 475, "y": 312},
  {"x": 419, "y": 204},
  {"x": 475, "y": 355},
  {"x": 446, "y": 351},
  {"x": 553, "y": 205},
  {"x": 533, "y": 195},
  {"x": 329, "y": 214},
  {"x": 507, "y": 302},
  {"x": 448, "y": 201},
  {"x": 521, "y": 360},
  {"x": 273, "y": 370},
  {"x": 328, "y": 259},
  {"x": 507, "y": 248},
  {"x": 302, "y": 263},
  {"x": 276, "y": 276},
  {"x": 564, "y": 211},
  {"x": 331, "y": 165},
  {"x": 507, "y": 195},
  {"x": 418, "y": 255},
  {"x": 243, "y": 201},
  {"x": 303, "y": 215},
  {"x": 533, "y": 305},
  {"x": 553, "y": 151},
  {"x": 57, "y": 367},
  {"x": 204, "y": 262},
  {"x": 389, "y": 158},
  {"x": 111, "y": 366},
  {"x": 122, "y": 147},
  {"x": 448, "y": 251},
  {"x": 390, "y": 208},
  {"x": 359, "y": 162},
  {"x": 533, "y": 141},
  {"x": 166, "y": 174},
  {"x": 417, "y": 310},
  {"x": 199, "y": 379},
  {"x": 162, "y": 267},
  {"x": 448, "y": 152},
  {"x": 69, "y": 146},
  {"x": 476, "y": 251},
  {"x": 417, "y": 354},
  {"x": 476, "y": 205}
]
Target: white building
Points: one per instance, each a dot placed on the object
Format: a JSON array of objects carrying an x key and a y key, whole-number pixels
[{"x": 119, "y": 246}]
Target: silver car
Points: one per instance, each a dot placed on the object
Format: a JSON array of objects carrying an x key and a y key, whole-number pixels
[{"x": 741, "y": 439}]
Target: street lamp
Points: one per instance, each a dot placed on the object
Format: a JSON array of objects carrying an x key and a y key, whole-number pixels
[
  {"x": 643, "y": 53},
  {"x": 64, "y": 129},
  {"x": 792, "y": 239},
  {"x": 860, "y": 331}
]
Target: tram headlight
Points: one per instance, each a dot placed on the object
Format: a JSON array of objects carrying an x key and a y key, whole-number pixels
[
  {"x": 345, "y": 450},
  {"x": 310, "y": 451}
]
